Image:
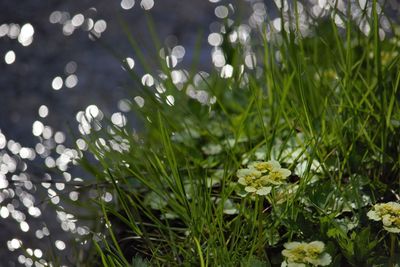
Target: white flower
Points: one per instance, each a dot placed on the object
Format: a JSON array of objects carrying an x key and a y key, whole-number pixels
[
  {"x": 253, "y": 181},
  {"x": 303, "y": 254},
  {"x": 285, "y": 193},
  {"x": 212, "y": 149},
  {"x": 261, "y": 176},
  {"x": 388, "y": 213},
  {"x": 229, "y": 207}
]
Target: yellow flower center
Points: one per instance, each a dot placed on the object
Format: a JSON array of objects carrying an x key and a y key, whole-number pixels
[
  {"x": 251, "y": 177},
  {"x": 276, "y": 176},
  {"x": 263, "y": 166},
  {"x": 299, "y": 254}
]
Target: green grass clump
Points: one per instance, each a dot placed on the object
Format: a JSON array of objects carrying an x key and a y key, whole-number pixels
[{"x": 314, "y": 126}]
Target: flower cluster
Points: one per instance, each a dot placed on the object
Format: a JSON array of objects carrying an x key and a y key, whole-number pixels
[
  {"x": 260, "y": 176},
  {"x": 301, "y": 254},
  {"x": 388, "y": 213}
]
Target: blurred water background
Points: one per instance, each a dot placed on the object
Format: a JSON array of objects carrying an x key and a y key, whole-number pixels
[
  {"x": 50, "y": 70},
  {"x": 53, "y": 72}
]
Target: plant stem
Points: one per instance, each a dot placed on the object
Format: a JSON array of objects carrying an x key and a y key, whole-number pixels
[
  {"x": 260, "y": 226},
  {"x": 392, "y": 247}
]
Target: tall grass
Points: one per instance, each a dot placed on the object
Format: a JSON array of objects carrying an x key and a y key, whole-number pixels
[{"x": 326, "y": 106}]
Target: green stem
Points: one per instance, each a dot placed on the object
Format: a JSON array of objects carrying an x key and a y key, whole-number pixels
[
  {"x": 260, "y": 226},
  {"x": 392, "y": 249}
]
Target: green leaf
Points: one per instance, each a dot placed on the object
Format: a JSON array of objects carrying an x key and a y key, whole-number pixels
[
  {"x": 139, "y": 262},
  {"x": 254, "y": 262}
]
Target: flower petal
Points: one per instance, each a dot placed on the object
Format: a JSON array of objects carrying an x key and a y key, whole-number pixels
[
  {"x": 392, "y": 229},
  {"x": 241, "y": 173},
  {"x": 242, "y": 181},
  {"x": 291, "y": 245},
  {"x": 318, "y": 245},
  {"x": 274, "y": 164},
  {"x": 285, "y": 172},
  {"x": 263, "y": 191},
  {"x": 295, "y": 264},
  {"x": 373, "y": 215},
  {"x": 325, "y": 259},
  {"x": 250, "y": 189}
]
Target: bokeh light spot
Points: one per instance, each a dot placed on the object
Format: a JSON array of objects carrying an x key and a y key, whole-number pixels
[
  {"x": 127, "y": 4},
  {"x": 57, "y": 83},
  {"x": 37, "y": 128},
  {"x": 71, "y": 81},
  {"x": 118, "y": 119},
  {"x": 4, "y": 212},
  {"x": 55, "y": 17},
  {"x": 25, "y": 36},
  {"x": 221, "y": 12},
  {"x": 215, "y": 39},
  {"x": 130, "y": 62},
  {"x": 9, "y": 57},
  {"x": 170, "y": 100},
  {"x": 24, "y": 226},
  {"x": 71, "y": 67},
  {"x": 77, "y": 20},
  {"x": 60, "y": 245},
  {"x": 15, "y": 243},
  {"x": 59, "y": 137},
  {"x": 43, "y": 111},
  {"x": 100, "y": 26},
  {"x": 147, "y": 80},
  {"x": 139, "y": 101},
  {"x": 226, "y": 71},
  {"x": 124, "y": 105},
  {"x": 3, "y": 141},
  {"x": 38, "y": 253},
  {"x": 147, "y": 4}
]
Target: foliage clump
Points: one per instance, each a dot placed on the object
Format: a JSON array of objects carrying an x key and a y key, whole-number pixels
[{"x": 202, "y": 183}]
